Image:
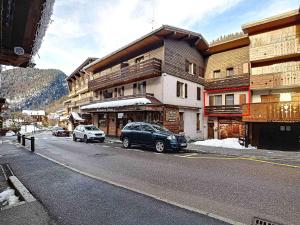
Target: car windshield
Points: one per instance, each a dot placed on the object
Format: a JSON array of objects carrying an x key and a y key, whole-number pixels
[
  {"x": 91, "y": 128},
  {"x": 159, "y": 128}
]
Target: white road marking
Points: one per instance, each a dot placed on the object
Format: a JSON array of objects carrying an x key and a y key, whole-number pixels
[{"x": 184, "y": 156}]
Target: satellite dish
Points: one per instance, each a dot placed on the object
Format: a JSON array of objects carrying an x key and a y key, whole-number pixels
[{"x": 19, "y": 50}]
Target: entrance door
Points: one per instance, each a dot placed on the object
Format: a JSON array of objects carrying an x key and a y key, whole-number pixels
[{"x": 210, "y": 131}]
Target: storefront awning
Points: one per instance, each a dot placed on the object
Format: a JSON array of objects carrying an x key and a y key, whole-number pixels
[
  {"x": 118, "y": 103},
  {"x": 75, "y": 116}
]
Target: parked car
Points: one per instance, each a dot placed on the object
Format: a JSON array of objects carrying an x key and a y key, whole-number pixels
[
  {"x": 60, "y": 132},
  {"x": 88, "y": 133},
  {"x": 153, "y": 135}
]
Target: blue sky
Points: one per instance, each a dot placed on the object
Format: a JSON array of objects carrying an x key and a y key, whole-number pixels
[{"x": 93, "y": 28}]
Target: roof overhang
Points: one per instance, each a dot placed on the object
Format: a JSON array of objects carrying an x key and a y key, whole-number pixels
[
  {"x": 153, "y": 38},
  {"x": 274, "y": 22},
  {"x": 228, "y": 45},
  {"x": 23, "y": 25},
  {"x": 77, "y": 72}
]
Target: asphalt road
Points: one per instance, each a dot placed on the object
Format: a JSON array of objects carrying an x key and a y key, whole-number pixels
[
  {"x": 75, "y": 199},
  {"x": 232, "y": 188}
]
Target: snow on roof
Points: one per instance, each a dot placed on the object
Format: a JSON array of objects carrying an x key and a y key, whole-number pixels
[
  {"x": 118, "y": 103},
  {"x": 34, "y": 112},
  {"x": 76, "y": 116}
]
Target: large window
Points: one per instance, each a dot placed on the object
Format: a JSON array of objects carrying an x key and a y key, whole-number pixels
[
  {"x": 121, "y": 91},
  {"x": 190, "y": 67},
  {"x": 229, "y": 72},
  {"x": 229, "y": 99},
  {"x": 218, "y": 100},
  {"x": 142, "y": 87},
  {"x": 181, "y": 90}
]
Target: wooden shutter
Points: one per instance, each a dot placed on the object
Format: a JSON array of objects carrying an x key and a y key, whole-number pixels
[
  {"x": 211, "y": 100},
  {"x": 194, "y": 68},
  {"x": 198, "y": 121},
  {"x": 242, "y": 99},
  {"x": 134, "y": 88},
  {"x": 187, "y": 66},
  {"x": 178, "y": 89},
  {"x": 185, "y": 90},
  {"x": 198, "y": 93}
]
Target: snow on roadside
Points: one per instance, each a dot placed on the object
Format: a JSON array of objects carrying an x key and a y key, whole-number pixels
[
  {"x": 28, "y": 129},
  {"x": 8, "y": 197},
  {"x": 225, "y": 143}
]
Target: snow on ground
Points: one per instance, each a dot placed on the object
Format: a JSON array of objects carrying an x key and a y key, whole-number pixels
[
  {"x": 10, "y": 133},
  {"x": 225, "y": 143},
  {"x": 8, "y": 197},
  {"x": 28, "y": 129}
]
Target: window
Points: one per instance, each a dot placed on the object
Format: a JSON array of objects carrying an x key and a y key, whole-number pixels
[
  {"x": 285, "y": 97},
  {"x": 198, "y": 121},
  {"x": 179, "y": 89},
  {"x": 139, "y": 59},
  {"x": 107, "y": 94},
  {"x": 124, "y": 64},
  {"x": 115, "y": 92},
  {"x": 185, "y": 90},
  {"x": 229, "y": 99},
  {"x": 217, "y": 74},
  {"x": 229, "y": 72},
  {"x": 142, "y": 87},
  {"x": 198, "y": 93},
  {"x": 190, "y": 67},
  {"x": 201, "y": 71},
  {"x": 134, "y": 87},
  {"x": 146, "y": 128},
  {"x": 218, "y": 100},
  {"x": 121, "y": 91}
]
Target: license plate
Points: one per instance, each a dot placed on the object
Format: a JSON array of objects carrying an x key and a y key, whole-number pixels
[{"x": 183, "y": 144}]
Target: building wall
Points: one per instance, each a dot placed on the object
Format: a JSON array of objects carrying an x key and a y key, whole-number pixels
[
  {"x": 238, "y": 59},
  {"x": 175, "y": 55}
]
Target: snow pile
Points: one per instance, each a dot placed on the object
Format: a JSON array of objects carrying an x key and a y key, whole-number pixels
[
  {"x": 118, "y": 103},
  {"x": 28, "y": 129},
  {"x": 225, "y": 143},
  {"x": 76, "y": 116},
  {"x": 8, "y": 197}
]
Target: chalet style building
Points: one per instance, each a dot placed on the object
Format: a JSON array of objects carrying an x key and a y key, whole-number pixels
[
  {"x": 226, "y": 86},
  {"x": 79, "y": 95},
  {"x": 158, "y": 78},
  {"x": 274, "y": 52}
]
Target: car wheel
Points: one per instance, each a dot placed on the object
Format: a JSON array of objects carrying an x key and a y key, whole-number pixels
[
  {"x": 74, "y": 138},
  {"x": 126, "y": 142},
  {"x": 102, "y": 140},
  {"x": 160, "y": 146},
  {"x": 85, "y": 139}
]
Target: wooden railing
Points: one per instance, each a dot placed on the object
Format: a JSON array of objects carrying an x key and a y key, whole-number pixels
[
  {"x": 272, "y": 112},
  {"x": 274, "y": 80},
  {"x": 84, "y": 101},
  {"x": 223, "y": 109},
  {"x": 228, "y": 82},
  {"x": 140, "y": 71}
]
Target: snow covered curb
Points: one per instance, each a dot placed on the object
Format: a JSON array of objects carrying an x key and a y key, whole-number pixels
[
  {"x": 223, "y": 143},
  {"x": 21, "y": 189},
  {"x": 8, "y": 197}
]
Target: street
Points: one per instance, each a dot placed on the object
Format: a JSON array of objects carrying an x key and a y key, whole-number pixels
[{"x": 234, "y": 189}]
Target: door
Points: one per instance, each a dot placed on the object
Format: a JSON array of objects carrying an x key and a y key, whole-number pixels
[
  {"x": 210, "y": 134},
  {"x": 134, "y": 133},
  {"x": 145, "y": 136}
]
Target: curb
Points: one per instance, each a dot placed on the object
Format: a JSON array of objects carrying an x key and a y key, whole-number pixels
[{"x": 21, "y": 189}]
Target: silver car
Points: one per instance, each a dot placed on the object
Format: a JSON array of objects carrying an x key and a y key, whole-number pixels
[{"x": 88, "y": 133}]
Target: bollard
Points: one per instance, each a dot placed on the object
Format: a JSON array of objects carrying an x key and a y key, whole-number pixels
[
  {"x": 23, "y": 140},
  {"x": 19, "y": 138},
  {"x": 32, "y": 144}
]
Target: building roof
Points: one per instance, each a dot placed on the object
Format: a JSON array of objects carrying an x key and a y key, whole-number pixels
[
  {"x": 77, "y": 71},
  {"x": 154, "y": 37},
  {"x": 23, "y": 25},
  {"x": 226, "y": 45},
  {"x": 34, "y": 112},
  {"x": 270, "y": 23}
]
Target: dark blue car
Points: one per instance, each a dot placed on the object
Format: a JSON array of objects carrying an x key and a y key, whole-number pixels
[{"x": 152, "y": 135}]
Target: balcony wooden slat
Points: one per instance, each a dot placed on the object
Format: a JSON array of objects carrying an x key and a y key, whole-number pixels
[
  {"x": 227, "y": 82},
  {"x": 140, "y": 71},
  {"x": 272, "y": 112},
  {"x": 223, "y": 109}
]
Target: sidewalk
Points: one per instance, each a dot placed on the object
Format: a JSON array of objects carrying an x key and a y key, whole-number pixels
[
  {"x": 24, "y": 212},
  {"x": 257, "y": 153}
]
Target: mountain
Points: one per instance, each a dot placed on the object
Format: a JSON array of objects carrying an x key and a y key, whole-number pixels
[{"x": 30, "y": 88}]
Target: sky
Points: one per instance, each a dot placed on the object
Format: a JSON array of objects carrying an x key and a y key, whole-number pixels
[{"x": 94, "y": 28}]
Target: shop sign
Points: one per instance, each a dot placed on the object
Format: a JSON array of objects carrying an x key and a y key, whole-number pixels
[
  {"x": 171, "y": 115},
  {"x": 120, "y": 115}
]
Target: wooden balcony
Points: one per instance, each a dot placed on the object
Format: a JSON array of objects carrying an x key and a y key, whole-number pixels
[
  {"x": 227, "y": 82},
  {"x": 84, "y": 101},
  {"x": 272, "y": 112},
  {"x": 223, "y": 109},
  {"x": 275, "y": 80},
  {"x": 140, "y": 71}
]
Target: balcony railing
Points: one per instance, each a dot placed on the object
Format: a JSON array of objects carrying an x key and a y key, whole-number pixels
[
  {"x": 140, "y": 71},
  {"x": 84, "y": 101},
  {"x": 274, "y": 80},
  {"x": 223, "y": 109},
  {"x": 228, "y": 82},
  {"x": 272, "y": 112}
]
